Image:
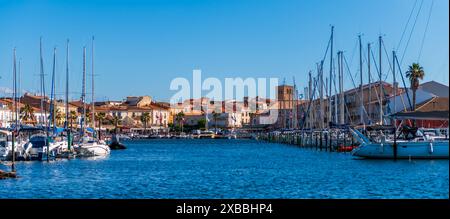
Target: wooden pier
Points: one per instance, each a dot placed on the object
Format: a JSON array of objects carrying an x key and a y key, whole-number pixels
[{"x": 332, "y": 141}]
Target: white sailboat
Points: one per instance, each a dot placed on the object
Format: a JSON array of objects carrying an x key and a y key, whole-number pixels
[
  {"x": 407, "y": 145},
  {"x": 90, "y": 146}
]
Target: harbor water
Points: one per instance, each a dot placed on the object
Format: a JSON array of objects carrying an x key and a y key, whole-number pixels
[{"x": 205, "y": 168}]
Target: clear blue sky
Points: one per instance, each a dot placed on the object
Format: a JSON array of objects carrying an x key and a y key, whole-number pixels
[{"x": 141, "y": 46}]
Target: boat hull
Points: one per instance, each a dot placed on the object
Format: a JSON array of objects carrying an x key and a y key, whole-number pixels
[
  {"x": 405, "y": 150},
  {"x": 93, "y": 149}
]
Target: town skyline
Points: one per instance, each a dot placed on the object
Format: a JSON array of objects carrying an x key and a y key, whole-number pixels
[{"x": 158, "y": 53}]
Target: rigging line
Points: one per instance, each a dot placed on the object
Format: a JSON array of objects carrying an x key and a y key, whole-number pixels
[
  {"x": 318, "y": 73},
  {"x": 372, "y": 77},
  {"x": 426, "y": 29},
  {"x": 406, "y": 26},
  {"x": 412, "y": 30},
  {"x": 389, "y": 60},
  {"x": 348, "y": 70},
  {"x": 378, "y": 72},
  {"x": 326, "y": 52},
  {"x": 309, "y": 105},
  {"x": 353, "y": 52},
  {"x": 376, "y": 67},
  {"x": 403, "y": 80}
]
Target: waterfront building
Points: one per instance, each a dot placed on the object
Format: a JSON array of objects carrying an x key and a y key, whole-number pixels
[
  {"x": 130, "y": 111},
  {"x": 6, "y": 115},
  {"x": 352, "y": 112},
  {"x": 285, "y": 99},
  {"x": 431, "y": 96},
  {"x": 427, "y": 93}
]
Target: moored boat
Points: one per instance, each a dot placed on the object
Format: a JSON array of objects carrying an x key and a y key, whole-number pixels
[{"x": 418, "y": 148}]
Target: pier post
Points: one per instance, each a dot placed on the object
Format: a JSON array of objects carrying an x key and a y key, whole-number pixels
[
  {"x": 315, "y": 138},
  {"x": 320, "y": 138},
  {"x": 330, "y": 141},
  {"x": 301, "y": 140},
  {"x": 345, "y": 138},
  {"x": 351, "y": 137}
]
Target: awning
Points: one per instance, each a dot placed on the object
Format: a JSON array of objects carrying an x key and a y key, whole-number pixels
[
  {"x": 432, "y": 115},
  {"x": 58, "y": 130},
  {"x": 90, "y": 130}
]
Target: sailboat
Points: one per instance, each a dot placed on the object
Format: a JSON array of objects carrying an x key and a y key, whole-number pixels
[
  {"x": 42, "y": 146},
  {"x": 406, "y": 143},
  {"x": 90, "y": 145},
  {"x": 11, "y": 147}
]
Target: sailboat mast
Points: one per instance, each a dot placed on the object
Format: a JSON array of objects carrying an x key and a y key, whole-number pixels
[
  {"x": 380, "y": 82},
  {"x": 361, "y": 98},
  {"x": 52, "y": 94},
  {"x": 18, "y": 84},
  {"x": 67, "y": 85},
  {"x": 294, "y": 110},
  {"x": 341, "y": 88},
  {"x": 68, "y": 130},
  {"x": 370, "y": 85},
  {"x": 92, "y": 103},
  {"x": 310, "y": 98},
  {"x": 43, "y": 110},
  {"x": 331, "y": 73},
  {"x": 15, "y": 111},
  {"x": 394, "y": 82},
  {"x": 83, "y": 92},
  {"x": 321, "y": 113},
  {"x": 335, "y": 93}
]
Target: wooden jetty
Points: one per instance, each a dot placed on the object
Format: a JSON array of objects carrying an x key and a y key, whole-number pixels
[{"x": 332, "y": 140}]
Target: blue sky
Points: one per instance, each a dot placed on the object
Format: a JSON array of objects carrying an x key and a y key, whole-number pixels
[{"x": 142, "y": 45}]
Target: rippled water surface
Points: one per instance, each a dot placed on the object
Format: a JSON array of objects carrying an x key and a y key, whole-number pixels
[{"x": 169, "y": 168}]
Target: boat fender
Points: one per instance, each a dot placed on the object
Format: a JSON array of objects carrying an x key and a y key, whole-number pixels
[
  {"x": 431, "y": 148},
  {"x": 381, "y": 148}
]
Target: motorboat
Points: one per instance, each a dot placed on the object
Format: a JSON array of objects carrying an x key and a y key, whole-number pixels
[
  {"x": 115, "y": 143},
  {"x": 90, "y": 147},
  {"x": 203, "y": 134},
  {"x": 225, "y": 134},
  {"x": 6, "y": 146}
]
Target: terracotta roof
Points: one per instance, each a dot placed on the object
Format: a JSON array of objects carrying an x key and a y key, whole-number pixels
[{"x": 435, "y": 104}]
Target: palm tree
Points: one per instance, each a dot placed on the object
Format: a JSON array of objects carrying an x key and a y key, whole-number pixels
[
  {"x": 414, "y": 73},
  {"x": 27, "y": 113},
  {"x": 215, "y": 117},
  {"x": 58, "y": 116},
  {"x": 72, "y": 117},
  {"x": 179, "y": 118},
  {"x": 100, "y": 117},
  {"x": 145, "y": 118},
  {"x": 115, "y": 120}
]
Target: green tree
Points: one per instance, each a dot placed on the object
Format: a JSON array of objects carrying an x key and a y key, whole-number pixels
[
  {"x": 100, "y": 117},
  {"x": 414, "y": 74},
  {"x": 201, "y": 123},
  {"x": 215, "y": 117},
  {"x": 179, "y": 118},
  {"x": 27, "y": 114},
  {"x": 58, "y": 116},
  {"x": 72, "y": 117},
  {"x": 145, "y": 118},
  {"x": 116, "y": 121}
]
